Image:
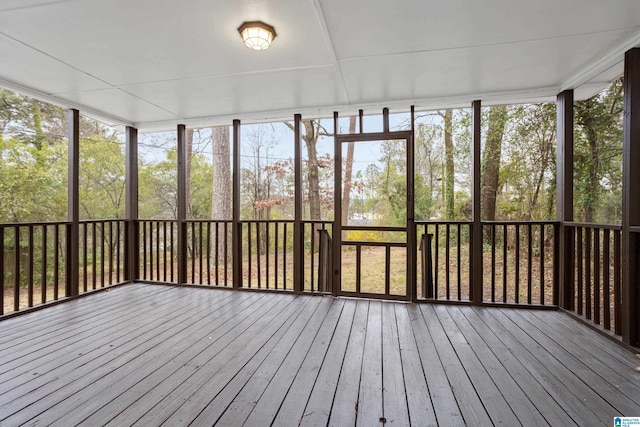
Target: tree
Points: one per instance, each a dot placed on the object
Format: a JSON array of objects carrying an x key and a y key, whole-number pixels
[
  {"x": 102, "y": 178},
  {"x": 490, "y": 168},
  {"x": 221, "y": 185},
  {"x": 187, "y": 169},
  {"x": 221, "y": 194},
  {"x": 313, "y": 130},
  {"x": 449, "y": 172},
  {"x": 348, "y": 175},
  {"x": 528, "y": 169},
  {"x": 598, "y": 149}
]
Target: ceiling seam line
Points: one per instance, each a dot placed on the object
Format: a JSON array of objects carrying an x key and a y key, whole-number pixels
[
  {"x": 56, "y": 59},
  {"x": 222, "y": 76},
  {"x": 329, "y": 41},
  {"x": 409, "y": 52}
]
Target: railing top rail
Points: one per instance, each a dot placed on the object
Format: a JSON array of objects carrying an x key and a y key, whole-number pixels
[
  {"x": 443, "y": 222},
  {"x": 317, "y": 221},
  {"x": 228, "y": 221},
  {"x": 155, "y": 220},
  {"x": 593, "y": 225},
  {"x": 372, "y": 228},
  {"x": 634, "y": 228},
  {"x": 92, "y": 221},
  {"x": 265, "y": 221},
  {"x": 520, "y": 222},
  {"x": 38, "y": 223},
  {"x": 363, "y": 243}
]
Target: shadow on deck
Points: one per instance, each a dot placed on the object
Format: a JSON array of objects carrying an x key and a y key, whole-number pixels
[{"x": 151, "y": 355}]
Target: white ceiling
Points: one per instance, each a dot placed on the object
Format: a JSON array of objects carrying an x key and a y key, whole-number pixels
[{"x": 156, "y": 63}]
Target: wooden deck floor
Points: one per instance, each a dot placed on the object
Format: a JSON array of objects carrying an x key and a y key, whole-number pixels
[{"x": 152, "y": 355}]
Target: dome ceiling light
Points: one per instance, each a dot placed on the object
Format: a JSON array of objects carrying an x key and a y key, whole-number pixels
[{"x": 257, "y": 35}]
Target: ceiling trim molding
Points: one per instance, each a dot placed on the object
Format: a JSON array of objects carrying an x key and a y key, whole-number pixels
[
  {"x": 464, "y": 101},
  {"x": 101, "y": 116},
  {"x": 598, "y": 67}
]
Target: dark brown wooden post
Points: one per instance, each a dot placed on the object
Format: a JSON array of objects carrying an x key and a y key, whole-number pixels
[
  {"x": 298, "y": 230},
  {"x": 236, "y": 239},
  {"x": 132, "y": 238},
  {"x": 564, "y": 199},
  {"x": 476, "y": 235},
  {"x": 337, "y": 218},
  {"x": 73, "y": 211},
  {"x": 181, "y": 209},
  {"x": 412, "y": 250},
  {"x": 631, "y": 199},
  {"x": 385, "y": 119}
]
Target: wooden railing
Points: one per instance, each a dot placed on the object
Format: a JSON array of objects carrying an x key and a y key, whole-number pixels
[
  {"x": 266, "y": 252},
  {"x": 158, "y": 250},
  {"x": 101, "y": 253},
  {"x": 34, "y": 265},
  {"x": 450, "y": 256},
  {"x": 519, "y": 260},
  {"x": 597, "y": 275}
]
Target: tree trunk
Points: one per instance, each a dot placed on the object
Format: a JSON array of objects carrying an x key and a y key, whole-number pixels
[
  {"x": 449, "y": 166},
  {"x": 310, "y": 138},
  {"x": 221, "y": 194},
  {"x": 591, "y": 195},
  {"x": 348, "y": 174},
  {"x": 187, "y": 170},
  {"x": 37, "y": 125},
  {"x": 491, "y": 161}
]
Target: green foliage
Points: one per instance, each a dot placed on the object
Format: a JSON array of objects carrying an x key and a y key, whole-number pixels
[
  {"x": 598, "y": 156},
  {"x": 102, "y": 174},
  {"x": 32, "y": 182},
  {"x": 33, "y": 169}
]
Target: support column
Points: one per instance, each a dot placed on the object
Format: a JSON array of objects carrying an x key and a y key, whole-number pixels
[
  {"x": 236, "y": 237},
  {"x": 132, "y": 235},
  {"x": 563, "y": 292},
  {"x": 476, "y": 231},
  {"x": 631, "y": 200},
  {"x": 73, "y": 210},
  {"x": 336, "y": 231},
  {"x": 412, "y": 252},
  {"x": 298, "y": 230},
  {"x": 181, "y": 209}
]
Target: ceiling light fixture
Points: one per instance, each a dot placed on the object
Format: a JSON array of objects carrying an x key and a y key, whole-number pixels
[{"x": 257, "y": 35}]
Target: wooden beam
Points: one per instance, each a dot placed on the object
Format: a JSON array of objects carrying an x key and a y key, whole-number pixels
[
  {"x": 132, "y": 238},
  {"x": 564, "y": 290},
  {"x": 73, "y": 210},
  {"x": 476, "y": 191},
  {"x": 385, "y": 119},
  {"x": 631, "y": 199},
  {"x": 181, "y": 210},
  {"x": 236, "y": 237},
  {"x": 412, "y": 253},
  {"x": 298, "y": 230},
  {"x": 336, "y": 231}
]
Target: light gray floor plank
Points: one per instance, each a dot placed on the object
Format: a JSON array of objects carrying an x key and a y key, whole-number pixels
[{"x": 157, "y": 355}]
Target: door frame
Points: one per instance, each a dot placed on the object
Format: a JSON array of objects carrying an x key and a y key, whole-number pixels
[{"x": 411, "y": 246}]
